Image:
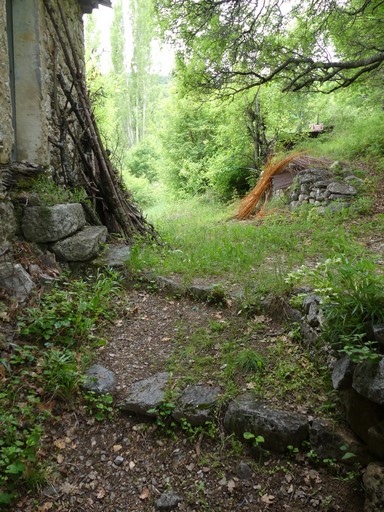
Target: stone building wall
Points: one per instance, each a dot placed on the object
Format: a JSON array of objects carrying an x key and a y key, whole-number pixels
[
  {"x": 41, "y": 108},
  {"x": 40, "y": 104}
]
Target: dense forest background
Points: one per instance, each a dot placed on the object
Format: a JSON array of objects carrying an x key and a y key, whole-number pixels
[{"x": 248, "y": 82}]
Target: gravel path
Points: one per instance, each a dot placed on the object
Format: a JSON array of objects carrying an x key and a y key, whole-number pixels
[{"x": 127, "y": 464}]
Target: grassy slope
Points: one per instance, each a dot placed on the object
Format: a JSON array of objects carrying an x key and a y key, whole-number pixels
[{"x": 202, "y": 241}]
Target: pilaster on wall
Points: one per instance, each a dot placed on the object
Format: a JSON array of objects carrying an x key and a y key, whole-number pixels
[
  {"x": 6, "y": 129},
  {"x": 30, "y": 84}
]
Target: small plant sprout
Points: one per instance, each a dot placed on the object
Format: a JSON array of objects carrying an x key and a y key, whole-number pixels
[
  {"x": 256, "y": 440},
  {"x": 347, "y": 454}
]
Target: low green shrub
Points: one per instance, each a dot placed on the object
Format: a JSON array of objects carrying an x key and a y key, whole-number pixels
[{"x": 352, "y": 293}]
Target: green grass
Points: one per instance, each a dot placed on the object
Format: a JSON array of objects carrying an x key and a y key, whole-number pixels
[
  {"x": 202, "y": 241},
  {"x": 243, "y": 356}
]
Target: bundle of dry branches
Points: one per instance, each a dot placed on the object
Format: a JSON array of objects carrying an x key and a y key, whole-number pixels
[
  {"x": 112, "y": 204},
  {"x": 296, "y": 161},
  {"x": 251, "y": 200}
]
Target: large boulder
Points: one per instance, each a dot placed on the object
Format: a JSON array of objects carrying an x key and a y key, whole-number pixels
[
  {"x": 280, "y": 429},
  {"x": 342, "y": 373},
  {"x": 366, "y": 419},
  {"x": 82, "y": 246},
  {"x": 368, "y": 380},
  {"x": 44, "y": 224}
]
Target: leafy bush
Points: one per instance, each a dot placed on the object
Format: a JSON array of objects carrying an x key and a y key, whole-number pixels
[
  {"x": 352, "y": 293},
  {"x": 69, "y": 313}
]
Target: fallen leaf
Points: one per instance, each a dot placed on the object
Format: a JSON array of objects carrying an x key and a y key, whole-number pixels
[
  {"x": 60, "y": 444},
  {"x": 68, "y": 488},
  {"x": 100, "y": 494},
  {"x": 267, "y": 499},
  {"x": 144, "y": 493},
  {"x": 223, "y": 481},
  {"x": 60, "y": 458},
  {"x": 46, "y": 506},
  {"x": 250, "y": 385},
  {"x": 3, "y": 372},
  {"x": 231, "y": 485},
  {"x": 165, "y": 339},
  {"x": 4, "y": 316}
]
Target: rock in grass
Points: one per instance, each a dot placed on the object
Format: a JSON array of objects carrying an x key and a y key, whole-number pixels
[
  {"x": 243, "y": 471},
  {"x": 115, "y": 256},
  {"x": 100, "y": 380},
  {"x": 168, "y": 501},
  {"x": 278, "y": 428},
  {"x": 208, "y": 293},
  {"x": 146, "y": 395},
  {"x": 196, "y": 404}
]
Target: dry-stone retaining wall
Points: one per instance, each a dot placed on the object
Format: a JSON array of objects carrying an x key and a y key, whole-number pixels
[
  {"x": 360, "y": 386},
  {"x": 52, "y": 231},
  {"x": 334, "y": 187}
]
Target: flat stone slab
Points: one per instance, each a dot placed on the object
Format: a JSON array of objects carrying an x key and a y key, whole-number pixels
[
  {"x": 196, "y": 404},
  {"x": 82, "y": 246},
  {"x": 279, "y": 428},
  {"x": 339, "y": 188},
  {"x": 169, "y": 285},
  {"x": 368, "y": 380},
  {"x": 146, "y": 394},
  {"x": 100, "y": 380},
  {"x": 52, "y": 223},
  {"x": 15, "y": 280}
]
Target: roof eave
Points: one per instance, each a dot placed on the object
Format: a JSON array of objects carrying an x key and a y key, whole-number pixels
[{"x": 88, "y": 5}]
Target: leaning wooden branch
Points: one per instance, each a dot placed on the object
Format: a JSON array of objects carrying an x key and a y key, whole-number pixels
[{"x": 117, "y": 212}]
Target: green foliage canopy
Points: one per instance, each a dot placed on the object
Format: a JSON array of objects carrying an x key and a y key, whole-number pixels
[{"x": 234, "y": 45}]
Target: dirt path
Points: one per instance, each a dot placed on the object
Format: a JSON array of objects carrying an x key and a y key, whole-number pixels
[{"x": 126, "y": 464}]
